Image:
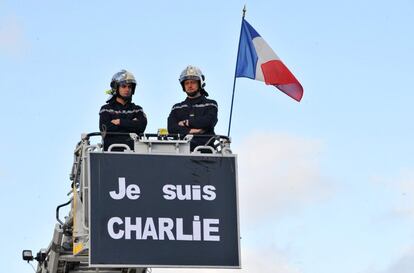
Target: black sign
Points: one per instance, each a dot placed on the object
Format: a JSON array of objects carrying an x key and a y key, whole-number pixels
[{"x": 163, "y": 210}]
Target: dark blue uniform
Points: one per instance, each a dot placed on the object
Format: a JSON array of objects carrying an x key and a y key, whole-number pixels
[
  {"x": 132, "y": 120},
  {"x": 201, "y": 114}
]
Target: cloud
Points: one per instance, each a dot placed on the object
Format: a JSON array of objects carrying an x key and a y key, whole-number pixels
[
  {"x": 279, "y": 172},
  {"x": 12, "y": 40},
  {"x": 260, "y": 260},
  {"x": 405, "y": 185},
  {"x": 405, "y": 264},
  {"x": 402, "y": 186}
]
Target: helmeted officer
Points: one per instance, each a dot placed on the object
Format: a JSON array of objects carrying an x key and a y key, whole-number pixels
[
  {"x": 196, "y": 115},
  {"x": 120, "y": 114}
]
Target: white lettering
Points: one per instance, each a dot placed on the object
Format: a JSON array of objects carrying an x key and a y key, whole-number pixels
[
  {"x": 189, "y": 192},
  {"x": 112, "y": 233},
  {"x": 169, "y": 192},
  {"x": 121, "y": 187},
  {"x": 207, "y": 228},
  {"x": 165, "y": 225},
  {"x": 180, "y": 232},
  {"x": 149, "y": 230},
  {"x": 129, "y": 227},
  {"x": 184, "y": 195},
  {"x": 163, "y": 229},
  {"x": 132, "y": 191},
  {"x": 209, "y": 192},
  {"x": 196, "y": 228},
  {"x": 196, "y": 192}
]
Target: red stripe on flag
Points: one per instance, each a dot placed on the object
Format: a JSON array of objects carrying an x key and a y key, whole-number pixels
[{"x": 277, "y": 74}]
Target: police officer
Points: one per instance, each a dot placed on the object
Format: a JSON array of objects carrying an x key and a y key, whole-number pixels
[
  {"x": 119, "y": 114},
  {"x": 196, "y": 115}
]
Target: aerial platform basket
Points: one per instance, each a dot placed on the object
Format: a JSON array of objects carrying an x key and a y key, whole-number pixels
[{"x": 157, "y": 205}]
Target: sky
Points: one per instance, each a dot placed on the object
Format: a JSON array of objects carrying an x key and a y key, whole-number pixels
[{"x": 325, "y": 185}]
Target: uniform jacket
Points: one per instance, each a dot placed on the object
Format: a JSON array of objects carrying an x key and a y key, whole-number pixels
[
  {"x": 132, "y": 120},
  {"x": 201, "y": 114}
]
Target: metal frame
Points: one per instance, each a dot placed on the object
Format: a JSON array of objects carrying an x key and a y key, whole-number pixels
[{"x": 80, "y": 214}]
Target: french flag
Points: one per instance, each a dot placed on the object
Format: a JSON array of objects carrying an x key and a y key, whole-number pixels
[{"x": 257, "y": 61}]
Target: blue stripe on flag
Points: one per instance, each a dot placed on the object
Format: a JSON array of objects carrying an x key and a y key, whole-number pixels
[{"x": 247, "y": 57}]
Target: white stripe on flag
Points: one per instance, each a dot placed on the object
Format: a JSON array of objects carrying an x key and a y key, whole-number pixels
[{"x": 264, "y": 54}]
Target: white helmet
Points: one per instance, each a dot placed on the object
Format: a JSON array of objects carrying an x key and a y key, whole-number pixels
[
  {"x": 123, "y": 77},
  {"x": 192, "y": 73}
]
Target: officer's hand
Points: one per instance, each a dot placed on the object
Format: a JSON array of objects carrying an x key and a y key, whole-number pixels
[
  {"x": 116, "y": 121},
  {"x": 196, "y": 131},
  {"x": 183, "y": 123}
]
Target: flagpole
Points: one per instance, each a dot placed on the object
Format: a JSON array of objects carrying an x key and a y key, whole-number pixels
[{"x": 235, "y": 71}]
